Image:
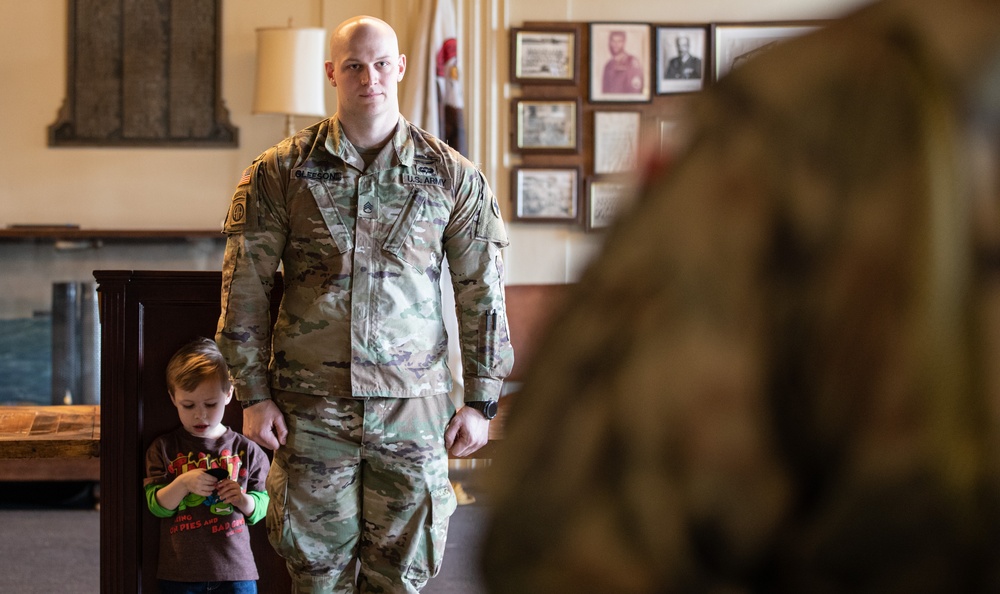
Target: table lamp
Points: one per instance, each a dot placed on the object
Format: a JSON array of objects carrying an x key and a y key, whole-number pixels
[{"x": 290, "y": 73}]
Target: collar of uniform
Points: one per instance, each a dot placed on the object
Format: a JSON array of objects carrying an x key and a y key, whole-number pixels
[
  {"x": 338, "y": 145},
  {"x": 402, "y": 142}
]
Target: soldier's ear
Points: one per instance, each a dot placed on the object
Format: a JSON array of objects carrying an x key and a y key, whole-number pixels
[{"x": 330, "y": 76}]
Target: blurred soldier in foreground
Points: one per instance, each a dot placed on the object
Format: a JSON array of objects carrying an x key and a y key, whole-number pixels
[{"x": 780, "y": 374}]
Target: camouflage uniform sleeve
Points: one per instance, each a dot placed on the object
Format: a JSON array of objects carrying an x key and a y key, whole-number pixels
[
  {"x": 473, "y": 240},
  {"x": 256, "y": 228}
]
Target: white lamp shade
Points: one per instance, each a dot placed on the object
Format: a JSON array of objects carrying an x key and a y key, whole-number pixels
[{"x": 290, "y": 72}]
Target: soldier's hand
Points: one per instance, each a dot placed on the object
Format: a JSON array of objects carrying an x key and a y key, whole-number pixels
[
  {"x": 467, "y": 432},
  {"x": 264, "y": 424}
]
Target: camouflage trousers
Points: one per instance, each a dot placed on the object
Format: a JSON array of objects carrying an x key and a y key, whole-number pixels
[{"x": 360, "y": 496}]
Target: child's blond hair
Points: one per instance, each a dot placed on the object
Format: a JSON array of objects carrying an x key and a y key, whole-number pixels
[{"x": 196, "y": 362}]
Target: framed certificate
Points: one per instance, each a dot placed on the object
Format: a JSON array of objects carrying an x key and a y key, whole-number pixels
[
  {"x": 543, "y": 125},
  {"x": 616, "y": 141},
  {"x": 546, "y": 194},
  {"x": 606, "y": 200},
  {"x": 544, "y": 55}
]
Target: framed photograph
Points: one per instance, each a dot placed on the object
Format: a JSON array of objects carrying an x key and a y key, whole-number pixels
[
  {"x": 734, "y": 44},
  {"x": 620, "y": 62},
  {"x": 546, "y": 194},
  {"x": 549, "y": 126},
  {"x": 616, "y": 141},
  {"x": 544, "y": 55},
  {"x": 680, "y": 59},
  {"x": 606, "y": 200}
]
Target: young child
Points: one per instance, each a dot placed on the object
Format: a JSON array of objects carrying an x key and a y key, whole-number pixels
[{"x": 204, "y": 542}]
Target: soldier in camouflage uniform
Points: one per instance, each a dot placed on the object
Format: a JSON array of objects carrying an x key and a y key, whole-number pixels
[
  {"x": 780, "y": 374},
  {"x": 350, "y": 387}
]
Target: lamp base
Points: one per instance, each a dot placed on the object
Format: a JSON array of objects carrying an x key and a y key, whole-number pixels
[{"x": 289, "y": 125}]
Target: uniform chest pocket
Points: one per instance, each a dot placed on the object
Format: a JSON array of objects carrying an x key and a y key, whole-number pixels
[
  {"x": 415, "y": 237},
  {"x": 339, "y": 231}
]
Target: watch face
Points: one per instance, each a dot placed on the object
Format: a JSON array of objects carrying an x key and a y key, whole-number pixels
[{"x": 489, "y": 408}]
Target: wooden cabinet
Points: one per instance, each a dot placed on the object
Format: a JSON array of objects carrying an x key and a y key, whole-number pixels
[{"x": 145, "y": 317}]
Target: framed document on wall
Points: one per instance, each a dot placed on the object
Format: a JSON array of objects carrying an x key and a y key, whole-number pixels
[
  {"x": 616, "y": 141},
  {"x": 550, "y": 126},
  {"x": 546, "y": 194},
  {"x": 606, "y": 200},
  {"x": 733, "y": 43},
  {"x": 544, "y": 55}
]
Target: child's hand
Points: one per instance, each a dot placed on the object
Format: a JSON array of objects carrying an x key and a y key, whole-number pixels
[
  {"x": 230, "y": 491},
  {"x": 198, "y": 481}
]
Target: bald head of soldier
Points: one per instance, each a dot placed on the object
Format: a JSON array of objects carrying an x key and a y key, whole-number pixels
[{"x": 365, "y": 67}]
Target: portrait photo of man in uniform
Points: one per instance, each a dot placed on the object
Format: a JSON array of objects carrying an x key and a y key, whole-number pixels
[
  {"x": 680, "y": 66},
  {"x": 619, "y": 62}
]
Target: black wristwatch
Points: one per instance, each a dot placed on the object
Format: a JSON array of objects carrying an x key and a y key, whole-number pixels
[
  {"x": 248, "y": 403},
  {"x": 487, "y": 407}
]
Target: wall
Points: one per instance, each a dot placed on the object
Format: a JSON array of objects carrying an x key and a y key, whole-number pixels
[
  {"x": 148, "y": 188},
  {"x": 140, "y": 188},
  {"x": 557, "y": 253}
]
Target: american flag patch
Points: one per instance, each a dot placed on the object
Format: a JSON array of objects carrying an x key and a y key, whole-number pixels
[{"x": 246, "y": 176}]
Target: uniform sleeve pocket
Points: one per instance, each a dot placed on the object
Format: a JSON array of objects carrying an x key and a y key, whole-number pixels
[
  {"x": 489, "y": 339},
  {"x": 489, "y": 225}
]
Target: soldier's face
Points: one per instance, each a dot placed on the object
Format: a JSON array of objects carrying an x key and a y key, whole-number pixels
[
  {"x": 616, "y": 43},
  {"x": 365, "y": 67}
]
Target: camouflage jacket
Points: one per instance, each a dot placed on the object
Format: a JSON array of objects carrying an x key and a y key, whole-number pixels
[
  {"x": 780, "y": 373},
  {"x": 362, "y": 252}
]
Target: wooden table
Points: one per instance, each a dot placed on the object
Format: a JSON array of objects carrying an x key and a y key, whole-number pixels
[{"x": 50, "y": 443}]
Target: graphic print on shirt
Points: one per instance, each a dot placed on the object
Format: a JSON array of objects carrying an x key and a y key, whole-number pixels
[{"x": 232, "y": 463}]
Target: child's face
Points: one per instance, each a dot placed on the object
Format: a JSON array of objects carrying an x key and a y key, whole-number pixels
[{"x": 201, "y": 410}]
